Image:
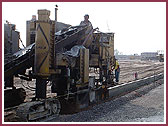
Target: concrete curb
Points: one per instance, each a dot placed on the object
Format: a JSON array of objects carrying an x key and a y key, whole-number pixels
[{"x": 131, "y": 86}]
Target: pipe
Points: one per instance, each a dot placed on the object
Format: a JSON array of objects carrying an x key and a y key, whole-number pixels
[{"x": 56, "y": 8}]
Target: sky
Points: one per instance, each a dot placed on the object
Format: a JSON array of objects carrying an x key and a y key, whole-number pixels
[{"x": 138, "y": 26}]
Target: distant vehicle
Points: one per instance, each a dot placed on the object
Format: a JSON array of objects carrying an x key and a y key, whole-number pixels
[{"x": 161, "y": 57}]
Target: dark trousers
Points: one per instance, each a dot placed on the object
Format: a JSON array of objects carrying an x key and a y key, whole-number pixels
[{"x": 117, "y": 72}]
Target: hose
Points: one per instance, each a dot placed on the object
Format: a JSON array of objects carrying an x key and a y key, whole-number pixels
[{"x": 22, "y": 42}]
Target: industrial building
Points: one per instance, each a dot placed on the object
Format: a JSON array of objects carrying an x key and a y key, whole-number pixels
[{"x": 149, "y": 56}]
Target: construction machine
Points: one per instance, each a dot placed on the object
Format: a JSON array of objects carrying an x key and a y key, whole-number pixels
[{"x": 77, "y": 61}]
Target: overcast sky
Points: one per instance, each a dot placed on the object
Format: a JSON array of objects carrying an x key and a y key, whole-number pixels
[{"x": 138, "y": 27}]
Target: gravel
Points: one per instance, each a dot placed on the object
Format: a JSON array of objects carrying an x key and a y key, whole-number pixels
[{"x": 143, "y": 105}]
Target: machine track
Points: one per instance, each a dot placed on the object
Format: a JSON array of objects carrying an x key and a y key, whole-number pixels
[
  {"x": 35, "y": 110},
  {"x": 32, "y": 111},
  {"x": 14, "y": 97}
]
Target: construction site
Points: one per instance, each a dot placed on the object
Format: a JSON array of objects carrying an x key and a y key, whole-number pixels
[{"x": 68, "y": 74}]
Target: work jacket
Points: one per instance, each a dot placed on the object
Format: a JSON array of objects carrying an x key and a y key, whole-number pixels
[
  {"x": 116, "y": 65},
  {"x": 83, "y": 23}
]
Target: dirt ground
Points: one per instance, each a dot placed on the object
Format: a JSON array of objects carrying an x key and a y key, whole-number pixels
[
  {"x": 127, "y": 71},
  {"x": 143, "y": 68}
]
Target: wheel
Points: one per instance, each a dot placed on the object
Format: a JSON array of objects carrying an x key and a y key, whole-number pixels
[{"x": 55, "y": 106}]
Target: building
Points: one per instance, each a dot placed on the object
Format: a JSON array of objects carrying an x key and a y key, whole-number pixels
[{"x": 149, "y": 56}]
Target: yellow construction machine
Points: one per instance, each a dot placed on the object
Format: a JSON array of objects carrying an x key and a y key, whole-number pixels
[{"x": 77, "y": 63}]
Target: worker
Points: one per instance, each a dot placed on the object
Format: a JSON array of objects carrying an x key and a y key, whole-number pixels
[
  {"x": 89, "y": 31},
  {"x": 86, "y": 21},
  {"x": 117, "y": 71},
  {"x": 136, "y": 75}
]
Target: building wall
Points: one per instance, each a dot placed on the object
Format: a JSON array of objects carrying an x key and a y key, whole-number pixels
[{"x": 149, "y": 56}]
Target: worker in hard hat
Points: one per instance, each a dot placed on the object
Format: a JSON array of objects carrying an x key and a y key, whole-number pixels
[{"x": 117, "y": 71}]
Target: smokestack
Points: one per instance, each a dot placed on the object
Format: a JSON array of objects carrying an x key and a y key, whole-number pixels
[{"x": 56, "y": 8}]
